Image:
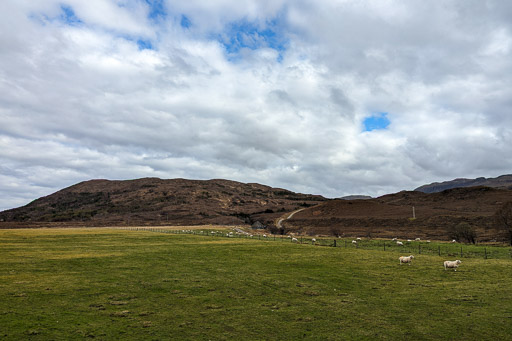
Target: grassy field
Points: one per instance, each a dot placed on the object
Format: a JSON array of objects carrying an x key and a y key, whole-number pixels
[{"x": 114, "y": 284}]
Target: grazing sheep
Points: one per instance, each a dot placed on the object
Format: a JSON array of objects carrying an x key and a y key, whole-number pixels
[
  {"x": 454, "y": 241},
  {"x": 394, "y": 239},
  {"x": 428, "y": 241},
  {"x": 399, "y": 243},
  {"x": 406, "y": 259},
  {"x": 313, "y": 240},
  {"x": 264, "y": 236},
  {"x": 418, "y": 239},
  {"x": 354, "y": 242},
  {"x": 452, "y": 264},
  {"x": 295, "y": 240},
  {"x": 409, "y": 240},
  {"x": 358, "y": 238}
]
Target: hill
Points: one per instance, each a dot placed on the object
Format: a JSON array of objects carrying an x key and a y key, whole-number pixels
[
  {"x": 153, "y": 201},
  {"x": 392, "y": 215},
  {"x": 503, "y": 181}
]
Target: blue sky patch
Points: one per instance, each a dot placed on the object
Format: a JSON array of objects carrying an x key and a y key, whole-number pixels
[
  {"x": 69, "y": 16},
  {"x": 156, "y": 9},
  {"x": 376, "y": 122},
  {"x": 185, "y": 22},
  {"x": 144, "y": 44},
  {"x": 245, "y": 34}
]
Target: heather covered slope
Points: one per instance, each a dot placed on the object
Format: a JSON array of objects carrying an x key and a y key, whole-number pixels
[
  {"x": 392, "y": 215},
  {"x": 157, "y": 201}
]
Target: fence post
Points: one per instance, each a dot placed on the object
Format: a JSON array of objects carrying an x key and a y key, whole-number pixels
[
  {"x": 419, "y": 249},
  {"x": 461, "y": 251},
  {"x": 334, "y": 242},
  {"x": 384, "y": 246},
  {"x": 485, "y": 250},
  {"x": 439, "y": 250}
]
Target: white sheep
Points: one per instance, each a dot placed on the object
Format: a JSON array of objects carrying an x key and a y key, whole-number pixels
[
  {"x": 294, "y": 240},
  {"x": 418, "y": 239},
  {"x": 394, "y": 239},
  {"x": 409, "y": 240},
  {"x": 428, "y": 241},
  {"x": 264, "y": 236},
  {"x": 452, "y": 264},
  {"x": 313, "y": 240},
  {"x": 354, "y": 242},
  {"x": 406, "y": 259},
  {"x": 399, "y": 243},
  {"x": 454, "y": 241},
  {"x": 358, "y": 238}
]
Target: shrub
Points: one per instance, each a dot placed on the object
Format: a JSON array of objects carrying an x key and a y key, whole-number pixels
[
  {"x": 503, "y": 219},
  {"x": 463, "y": 232}
]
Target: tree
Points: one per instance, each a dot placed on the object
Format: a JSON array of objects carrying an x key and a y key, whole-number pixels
[
  {"x": 503, "y": 219},
  {"x": 463, "y": 232}
]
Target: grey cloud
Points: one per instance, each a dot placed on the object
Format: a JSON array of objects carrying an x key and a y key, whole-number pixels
[{"x": 81, "y": 102}]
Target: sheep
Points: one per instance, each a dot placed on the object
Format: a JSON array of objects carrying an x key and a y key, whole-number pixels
[
  {"x": 313, "y": 240},
  {"x": 454, "y": 241},
  {"x": 264, "y": 236},
  {"x": 394, "y": 239},
  {"x": 428, "y": 241},
  {"x": 406, "y": 259},
  {"x": 452, "y": 264},
  {"x": 358, "y": 238},
  {"x": 399, "y": 243},
  {"x": 409, "y": 240},
  {"x": 354, "y": 242},
  {"x": 417, "y": 239},
  {"x": 294, "y": 240}
]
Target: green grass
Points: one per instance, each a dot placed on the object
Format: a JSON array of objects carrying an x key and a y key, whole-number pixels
[{"x": 114, "y": 284}]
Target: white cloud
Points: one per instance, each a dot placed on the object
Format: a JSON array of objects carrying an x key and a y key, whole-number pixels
[{"x": 84, "y": 100}]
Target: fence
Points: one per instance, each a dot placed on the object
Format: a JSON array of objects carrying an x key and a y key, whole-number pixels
[{"x": 412, "y": 247}]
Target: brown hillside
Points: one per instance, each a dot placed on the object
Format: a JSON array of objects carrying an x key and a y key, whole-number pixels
[
  {"x": 391, "y": 215},
  {"x": 153, "y": 201}
]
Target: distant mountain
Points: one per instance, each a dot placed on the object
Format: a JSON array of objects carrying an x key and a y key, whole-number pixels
[
  {"x": 504, "y": 181},
  {"x": 356, "y": 197},
  {"x": 153, "y": 201}
]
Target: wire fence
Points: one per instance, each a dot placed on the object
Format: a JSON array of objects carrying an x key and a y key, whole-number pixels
[{"x": 406, "y": 247}]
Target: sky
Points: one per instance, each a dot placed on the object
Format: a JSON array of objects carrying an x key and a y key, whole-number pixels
[{"x": 329, "y": 97}]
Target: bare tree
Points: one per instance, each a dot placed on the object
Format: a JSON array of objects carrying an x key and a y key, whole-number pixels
[{"x": 503, "y": 219}]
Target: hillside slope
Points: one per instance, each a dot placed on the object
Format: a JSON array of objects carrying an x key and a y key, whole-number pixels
[
  {"x": 392, "y": 215},
  {"x": 157, "y": 201}
]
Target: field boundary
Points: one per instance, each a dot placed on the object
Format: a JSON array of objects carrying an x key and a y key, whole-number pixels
[{"x": 408, "y": 247}]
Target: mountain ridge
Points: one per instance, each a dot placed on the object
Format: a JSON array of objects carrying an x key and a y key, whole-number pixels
[{"x": 502, "y": 181}]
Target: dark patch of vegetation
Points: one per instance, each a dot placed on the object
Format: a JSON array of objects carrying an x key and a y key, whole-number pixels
[
  {"x": 503, "y": 219},
  {"x": 463, "y": 232}
]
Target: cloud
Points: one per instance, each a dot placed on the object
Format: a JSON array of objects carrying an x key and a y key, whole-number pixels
[{"x": 275, "y": 92}]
